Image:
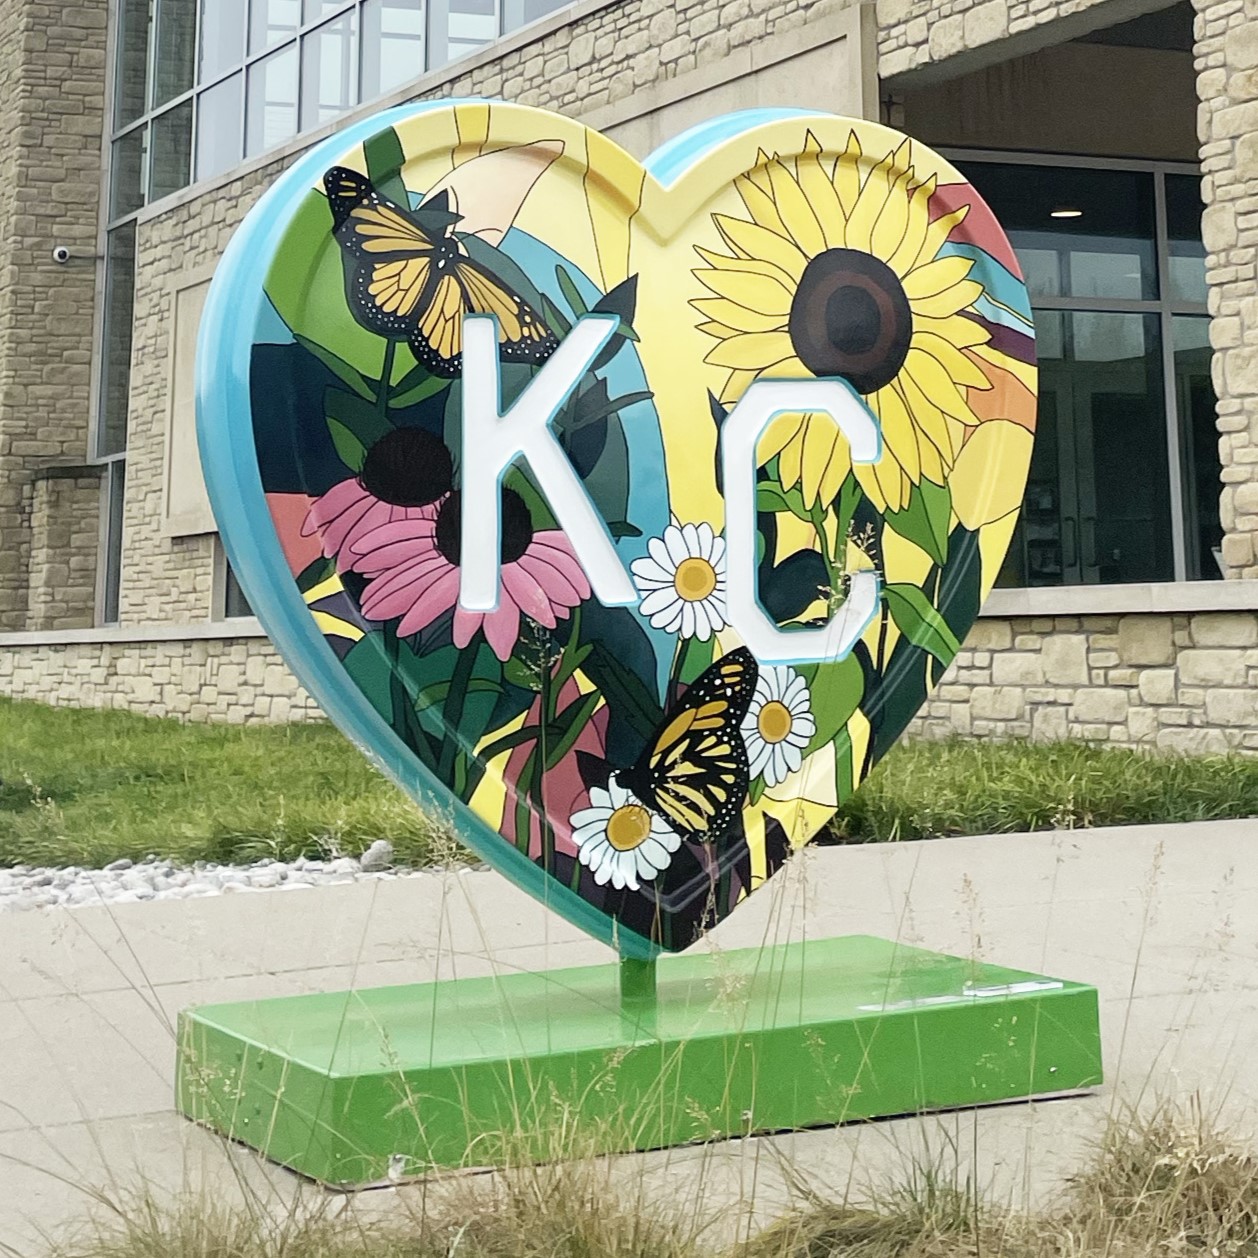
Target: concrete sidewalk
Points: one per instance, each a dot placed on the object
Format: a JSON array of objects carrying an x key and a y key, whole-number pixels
[{"x": 1162, "y": 919}]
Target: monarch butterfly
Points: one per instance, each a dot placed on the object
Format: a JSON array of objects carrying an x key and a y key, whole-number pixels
[
  {"x": 695, "y": 769},
  {"x": 412, "y": 275}
]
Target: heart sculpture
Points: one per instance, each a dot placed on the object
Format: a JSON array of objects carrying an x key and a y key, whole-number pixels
[{"x": 750, "y": 426}]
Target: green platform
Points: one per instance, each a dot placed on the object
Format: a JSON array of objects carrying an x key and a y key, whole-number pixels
[{"x": 351, "y": 1088}]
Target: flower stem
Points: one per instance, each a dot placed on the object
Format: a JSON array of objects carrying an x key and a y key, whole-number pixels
[
  {"x": 386, "y": 379},
  {"x": 818, "y": 516},
  {"x": 546, "y": 702},
  {"x": 452, "y": 710},
  {"x": 405, "y": 723}
]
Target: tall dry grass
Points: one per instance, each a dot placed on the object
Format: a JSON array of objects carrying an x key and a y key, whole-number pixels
[{"x": 1167, "y": 1182}]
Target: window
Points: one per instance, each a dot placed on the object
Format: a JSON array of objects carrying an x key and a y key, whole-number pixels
[
  {"x": 202, "y": 84},
  {"x": 235, "y": 604},
  {"x": 111, "y": 543},
  {"x": 1125, "y": 478},
  {"x": 229, "y": 602}
]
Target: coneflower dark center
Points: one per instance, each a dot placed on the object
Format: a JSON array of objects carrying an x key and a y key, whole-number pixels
[
  {"x": 407, "y": 467},
  {"x": 517, "y": 527}
]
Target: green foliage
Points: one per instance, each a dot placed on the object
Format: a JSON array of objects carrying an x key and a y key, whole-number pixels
[
  {"x": 926, "y": 519},
  {"x": 918, "y": 620},
  {"x": 929, "y": 789},
  {"x": 770, "y": 496},
  {"x": 85, "y": 787},
  {"x": 836, "y": 692}
]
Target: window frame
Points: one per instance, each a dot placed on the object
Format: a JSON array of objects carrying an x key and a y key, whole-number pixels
[
  {"x": 306, "y": 28},
  {"x": 1165, "y": 306}
]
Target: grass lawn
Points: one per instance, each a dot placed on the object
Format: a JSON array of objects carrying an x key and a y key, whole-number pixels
[{"x": 86, "y": 787}]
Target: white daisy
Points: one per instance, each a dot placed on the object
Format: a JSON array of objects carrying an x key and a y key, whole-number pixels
[
  {"x": 620, "y": 840},
  {"x": 682, "y": 581},
  {"x": 779, "y": 724}
]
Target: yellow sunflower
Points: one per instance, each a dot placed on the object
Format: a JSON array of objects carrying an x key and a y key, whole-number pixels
[{"x": 838, "y": 273}]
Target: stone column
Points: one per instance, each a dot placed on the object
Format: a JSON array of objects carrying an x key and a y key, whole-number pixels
[
  {"x": 1227, "y": 88},
  {"x": 52, "y": 101}
]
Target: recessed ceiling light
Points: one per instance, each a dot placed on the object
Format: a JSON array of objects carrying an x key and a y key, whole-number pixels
[{"x": 1065, "y": 211}]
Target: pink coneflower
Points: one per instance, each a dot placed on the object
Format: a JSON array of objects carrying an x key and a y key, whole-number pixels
[
  {"x": 414, "y": 571},
  {"x": 402, "y": 477}
]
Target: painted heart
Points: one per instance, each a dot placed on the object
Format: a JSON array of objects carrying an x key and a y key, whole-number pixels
[{"x": 774, "y": 390}]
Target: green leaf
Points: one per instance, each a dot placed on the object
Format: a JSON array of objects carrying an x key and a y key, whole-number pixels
[
  {"x": 352, "y": 452},
  {"x": 624, "y": 691},
  {"x": 314, "y": 574},
  {"x": 772, "y": 497},
  {"x": 570, "y": 294},
  {"x": 571, "y": 721},
  {"x": 508, "y": 742},
  {"x": 848, "y": 500},
  {"x": 622, "y": 528},
  {"x": 610, "y": 407},
  {"x": 755, "y": 791},
  {"x": 844, "y": 770},
  {"x": 695, "y": 657},
  {"x": 836, "y": 692},
  {"x": 925, "y": 520},
  {"x": 920, "y": 622},
  {"x": 308, "y": 290},
  {"x": 361, "y": 418},
  {"x": 385, "y": 160},
  {"x": 347, "y": 374},
  {"x": 559, "y": 322},
  {"x": 427, "y": 388},
  {"x": 525, "y": 676},
  {"x": 368, "y": 665},
  {"x": 539, "y": 509}
]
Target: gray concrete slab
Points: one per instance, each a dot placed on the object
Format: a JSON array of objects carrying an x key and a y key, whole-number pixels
[{"x": 1160, "y": 918}]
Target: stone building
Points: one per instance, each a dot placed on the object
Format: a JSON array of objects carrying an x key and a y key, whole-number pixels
[{"x": 137, "y": 133}]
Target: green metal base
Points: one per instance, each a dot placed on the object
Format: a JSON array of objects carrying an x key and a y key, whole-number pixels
[{"x": 352, "y": 1088}]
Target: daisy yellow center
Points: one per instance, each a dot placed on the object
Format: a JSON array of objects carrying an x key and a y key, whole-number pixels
[
  {"x": 628, "y": 827},
  {"x": 774, "y": 721},
  {"x": 694, "y": 579}
]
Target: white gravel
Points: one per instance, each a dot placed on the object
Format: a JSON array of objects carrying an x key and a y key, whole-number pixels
[{"x": 26, "y": 887}]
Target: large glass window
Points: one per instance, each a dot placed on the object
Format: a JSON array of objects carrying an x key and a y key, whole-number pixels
[
  {"x": 111, "y": 427},
  {"x": 202, "y": 84},
  {"x": 329, "y": 70},
  {"x": 1125, "y": 477}
]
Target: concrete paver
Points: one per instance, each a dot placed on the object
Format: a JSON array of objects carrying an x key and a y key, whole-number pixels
[{"x": 1160, "y": 918}]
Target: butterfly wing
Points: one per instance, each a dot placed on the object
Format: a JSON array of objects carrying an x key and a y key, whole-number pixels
[
  {"x": 471, "y": 288},
  {"x": 695, "y": 770},
  {"x": 389, "y": 254}
]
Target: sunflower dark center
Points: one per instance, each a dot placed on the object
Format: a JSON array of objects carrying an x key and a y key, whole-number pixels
[
  {"x": 407, "y": 467},
  {"x": 851, "y": 318},
  {"x": 517, "y": 527}
]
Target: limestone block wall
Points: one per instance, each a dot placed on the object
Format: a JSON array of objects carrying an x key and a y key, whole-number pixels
[
  {"x": 1167, "y": 683},
  {"x": 1227, "y": 87},
  {"x": 239, "y": 681},
  {"x": 52, "y": 100},
  {"x": 913, "y": 34},
  {"x": 64, "y": 539}
]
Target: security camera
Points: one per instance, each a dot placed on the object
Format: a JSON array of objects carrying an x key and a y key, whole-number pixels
[{"x": 61, "y": 255}]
